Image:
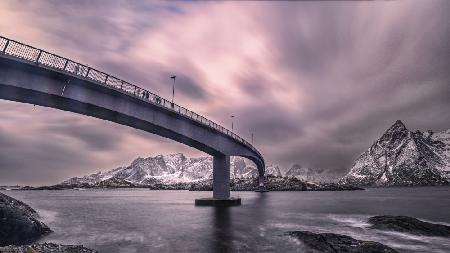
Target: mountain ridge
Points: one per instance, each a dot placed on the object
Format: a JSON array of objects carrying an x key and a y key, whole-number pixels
[
  {"x": 169, "y": 169},
  {"x": 179, "y": 169},
  {"x": 401, "y": 157}
]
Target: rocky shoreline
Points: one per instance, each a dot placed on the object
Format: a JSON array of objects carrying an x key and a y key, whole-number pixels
[
  {"x": 237, "y": 184},
  {"x": 275, "y": 184},
  {"x": 47, "y": 248}
]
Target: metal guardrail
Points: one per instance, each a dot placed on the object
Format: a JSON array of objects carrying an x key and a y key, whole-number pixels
[{"x": 50, "y": 60}]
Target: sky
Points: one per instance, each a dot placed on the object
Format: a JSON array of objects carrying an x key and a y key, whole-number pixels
[{"x": 316, "y": 82}]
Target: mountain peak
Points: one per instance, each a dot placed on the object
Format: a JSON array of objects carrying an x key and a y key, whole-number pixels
[
  {"x": 398, "y": 125},
  {"x": 394, "y": 134}
]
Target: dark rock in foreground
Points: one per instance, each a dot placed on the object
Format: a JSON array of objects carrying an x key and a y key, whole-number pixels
[
  {"x": 47, "y": 248},
  {"x": 409, "y": 225},
  {"x": 334, "y": 243},
  {"x": 18, "y": 222}
]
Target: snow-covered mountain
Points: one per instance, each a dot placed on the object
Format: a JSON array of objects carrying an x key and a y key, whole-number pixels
[
  {"x": 401, "y": 157},
  {"x": 312, "y": 174},
  {"x": 273, "y": 170},
  {"x": 168, "y": 169}
]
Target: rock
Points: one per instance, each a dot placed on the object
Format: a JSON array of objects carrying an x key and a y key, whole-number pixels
[
  {"x": 46, "y": 248},
  {"x": 334, "y": 243},
  {"x": 409, "y": 225},
  {"x": 18, "y": 222}
]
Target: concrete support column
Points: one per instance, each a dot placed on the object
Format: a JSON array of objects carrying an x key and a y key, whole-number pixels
[
  {"x": 261, "y": 181},
  {"x": 221, "y": 177},
  {"x": 261, "y": 187}
]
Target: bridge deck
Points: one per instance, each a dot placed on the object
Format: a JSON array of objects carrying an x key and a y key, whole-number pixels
[{"x": 20, "y": 51}]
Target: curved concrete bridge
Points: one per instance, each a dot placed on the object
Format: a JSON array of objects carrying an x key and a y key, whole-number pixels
[{"x": 34, "y": 76}]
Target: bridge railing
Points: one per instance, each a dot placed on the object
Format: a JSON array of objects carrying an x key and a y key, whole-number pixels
[{"x": 40, "y": 57}]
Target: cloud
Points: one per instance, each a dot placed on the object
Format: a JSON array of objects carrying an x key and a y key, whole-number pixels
[{"x": 316, "y": 82}]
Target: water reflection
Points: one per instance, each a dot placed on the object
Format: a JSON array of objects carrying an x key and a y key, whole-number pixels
[
  {"x": 223, "y": 227},
  {"x": 262, "y": 198},
  {"x": 260, "y": 207},
  {"x": 222, "y": 230}
]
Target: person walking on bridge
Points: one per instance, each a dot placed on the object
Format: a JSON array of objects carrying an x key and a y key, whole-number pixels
[{"x": 77, "y": 69}]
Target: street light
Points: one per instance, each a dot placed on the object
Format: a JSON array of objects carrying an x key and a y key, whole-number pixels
[
  {"x": 232, "y": 125},
  {"x": 252, "y": 138},
  {"x": 173, "y": 88}
]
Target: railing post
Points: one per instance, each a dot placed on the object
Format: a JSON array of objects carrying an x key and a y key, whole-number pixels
[
  {"x": 87, "y": 73},
  {"x": 6, "y": 46},
  {"x": 39, "y": 57},
  {"x": 106, "y": 79},
  {"x": 65, "y": 64}
]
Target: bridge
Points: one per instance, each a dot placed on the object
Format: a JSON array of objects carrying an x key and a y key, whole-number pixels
[{"x": 34, "y": 76}]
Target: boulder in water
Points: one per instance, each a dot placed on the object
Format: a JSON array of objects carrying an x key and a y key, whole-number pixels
[
  {"x": 409, "y": 225},
  {"x": 18, "y": 222},
  {"x": 334, "y": 243}
]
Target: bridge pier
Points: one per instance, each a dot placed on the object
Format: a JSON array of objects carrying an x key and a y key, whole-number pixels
[
  {"x": 221, "y": 184},
  {"x": 261, "y": 186},
  {"x": 221, "y": 177}
]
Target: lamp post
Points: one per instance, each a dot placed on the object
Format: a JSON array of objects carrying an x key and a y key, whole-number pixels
[
  {"x": 173, "y": 88},
  {"x": 232, "y": 125},
  {"x": 252, "y": 138}
]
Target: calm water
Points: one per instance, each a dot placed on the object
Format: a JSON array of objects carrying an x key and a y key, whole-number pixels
[{"x": 167, "y": 221}]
